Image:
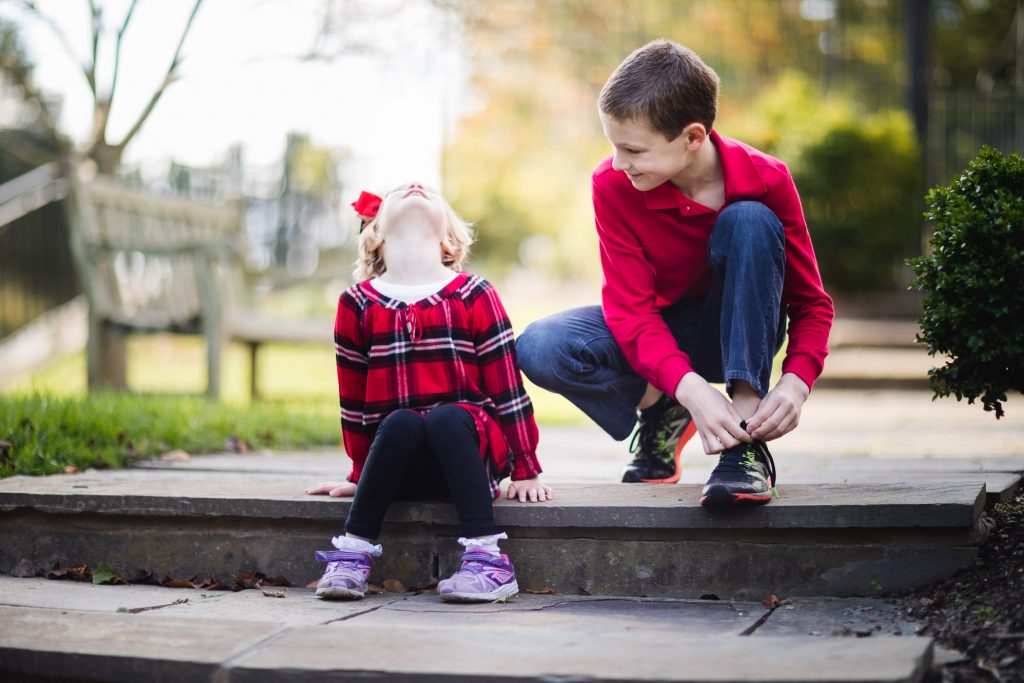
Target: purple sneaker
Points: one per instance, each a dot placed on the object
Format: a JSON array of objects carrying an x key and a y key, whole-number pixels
[
  {"x": 345, "y": 576},
  {"x": 483, "y": 577}
]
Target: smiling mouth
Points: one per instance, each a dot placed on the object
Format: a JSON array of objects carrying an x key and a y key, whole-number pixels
[{"x": 416, "y": 191}]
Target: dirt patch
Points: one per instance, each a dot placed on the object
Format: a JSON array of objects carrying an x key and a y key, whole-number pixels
[{"x": 980, "y": 611}]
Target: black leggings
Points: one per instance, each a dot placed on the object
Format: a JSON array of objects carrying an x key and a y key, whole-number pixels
[{"x": 412, "y": 456}]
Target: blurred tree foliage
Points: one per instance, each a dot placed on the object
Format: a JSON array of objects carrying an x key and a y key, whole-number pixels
[{"x": 813, "y": 82}]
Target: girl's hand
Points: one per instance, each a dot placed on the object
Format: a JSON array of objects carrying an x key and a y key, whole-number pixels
[
  {"x": 334, "y": 489},
  {"x": 779, "y": 411},
  {"x": 529, "y": 489},
  {"x": 717, "y": 421}
]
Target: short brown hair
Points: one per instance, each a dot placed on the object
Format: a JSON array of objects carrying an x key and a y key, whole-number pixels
[{"x": 665, "y": 85}]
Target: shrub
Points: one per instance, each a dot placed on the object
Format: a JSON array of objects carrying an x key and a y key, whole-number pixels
[
  {"x": 858, "y": 185},
  {"x": 971, "y": 281},
  {"x": 858, "y": 174}
]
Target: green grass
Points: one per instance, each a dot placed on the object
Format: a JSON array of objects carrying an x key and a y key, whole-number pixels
[{"x": 43, "y": 434}]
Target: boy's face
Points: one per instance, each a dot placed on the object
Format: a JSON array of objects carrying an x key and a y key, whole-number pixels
[{"x": 643, "y": 154}]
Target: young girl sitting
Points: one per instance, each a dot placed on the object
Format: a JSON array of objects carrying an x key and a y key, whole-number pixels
[{"x": 432, "y": 403}]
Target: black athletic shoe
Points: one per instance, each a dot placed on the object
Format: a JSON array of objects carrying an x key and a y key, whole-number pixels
[
  {"x": 663, "y": 430},
  {"x": 745, "y": 475}
]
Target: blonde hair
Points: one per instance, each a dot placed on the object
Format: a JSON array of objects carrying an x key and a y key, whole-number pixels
[{"x": 454, "y": 251}]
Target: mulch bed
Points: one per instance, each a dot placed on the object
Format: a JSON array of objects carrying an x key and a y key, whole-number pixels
[{"x": 980, "y": 611}]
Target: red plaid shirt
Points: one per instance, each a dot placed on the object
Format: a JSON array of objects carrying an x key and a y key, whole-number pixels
[{"x": 455, "y": 346}]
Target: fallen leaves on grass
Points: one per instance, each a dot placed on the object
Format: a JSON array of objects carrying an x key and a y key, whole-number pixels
[
  {"x": 236, "y": 445},
  {"x": 175, "y": 456}
]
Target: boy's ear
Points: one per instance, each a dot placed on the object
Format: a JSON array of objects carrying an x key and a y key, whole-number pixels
[{"x": 695, "y": 134}]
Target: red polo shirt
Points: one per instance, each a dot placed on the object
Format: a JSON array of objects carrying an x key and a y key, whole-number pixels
[{"x": 654, "y": 251}]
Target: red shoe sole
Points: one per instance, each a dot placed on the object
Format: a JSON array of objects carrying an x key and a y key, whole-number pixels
[{"x": 687, "y": 434}]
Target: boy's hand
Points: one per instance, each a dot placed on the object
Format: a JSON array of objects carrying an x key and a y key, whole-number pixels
[
  {"x": 717, "y": 421},
  {"x": 334, "y": 489},
  {"x": 529, "y": 489},
  {"x": 779, "y": 411}
]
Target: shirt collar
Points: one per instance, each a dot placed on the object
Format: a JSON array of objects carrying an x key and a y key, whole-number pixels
[{"x": 742, "y": 181}]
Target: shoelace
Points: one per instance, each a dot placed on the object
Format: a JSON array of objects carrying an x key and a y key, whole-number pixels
[
  {"x": 745, "y": 462},
  {"x": 643, "y": 437}
]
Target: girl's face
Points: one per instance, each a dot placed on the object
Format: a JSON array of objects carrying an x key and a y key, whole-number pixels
[{"x": 412, "y": 203}]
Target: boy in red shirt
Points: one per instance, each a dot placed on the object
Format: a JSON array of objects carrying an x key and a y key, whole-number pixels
[{"x": 705, "y": 254}]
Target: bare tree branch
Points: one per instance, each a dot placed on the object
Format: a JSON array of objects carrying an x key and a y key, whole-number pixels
[
  {"x": 96, "y": 27},
  {"x": 33, "y": 9},
  {"x": 105, "y": 103},
  {"x": 169, "y": 78}
]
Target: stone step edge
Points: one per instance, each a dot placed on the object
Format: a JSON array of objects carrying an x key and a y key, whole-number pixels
[
  {"x": 610, "y": 506},
  {"x": 127, "y": 647}
]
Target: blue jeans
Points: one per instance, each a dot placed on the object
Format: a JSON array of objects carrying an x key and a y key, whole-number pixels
[{"x": 731, "y": 333}]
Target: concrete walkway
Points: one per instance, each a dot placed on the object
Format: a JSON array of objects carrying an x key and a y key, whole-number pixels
[{"x": 127, "y": 633}]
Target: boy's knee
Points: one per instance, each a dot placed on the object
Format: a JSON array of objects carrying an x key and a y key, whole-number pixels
[
  {"x": 534, "y": 348},
  {"x": 750, "y": 220},
  {"x": 747, "y": 227}
]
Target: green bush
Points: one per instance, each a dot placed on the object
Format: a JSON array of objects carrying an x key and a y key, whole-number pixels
[
  {"x": 859, "y": 185},
  {"x": 971, "y": 281},
  {"x": 858, "y": 174}
]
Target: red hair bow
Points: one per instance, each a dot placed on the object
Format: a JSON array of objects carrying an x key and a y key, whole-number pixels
[{"x": 367, "y": 205}]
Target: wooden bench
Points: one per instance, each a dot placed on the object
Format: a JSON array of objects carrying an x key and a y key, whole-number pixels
[{"x": 152, "y": 263}]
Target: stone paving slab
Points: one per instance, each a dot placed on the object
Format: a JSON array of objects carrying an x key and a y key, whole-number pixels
[
  {"x": 190, "y": 494},
  {"x": 121, "y": 647},
  {"x": 1001, "y": 476},
  {"x": 60, "y": 628},
  {"x": 455, "y": 654}
]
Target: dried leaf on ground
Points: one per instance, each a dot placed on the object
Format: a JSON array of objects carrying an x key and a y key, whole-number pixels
[
  {"x": 313, "y": 583},
  {"x": 171, "y": 582},
  {"x": 79, "y": 573},
  {"x": 276, "y": 594},
  {"x": 143, "y": 576},
  {"x": 107, "y": 574},
  {"x": 546, "y": 590},
  {"x": 394, "y": 586},
  {"x": 374, "y": 589},
  {"x": 276, "y": 581},
  {"x": 23, "y": 570},
  {"x": 773, "y": 601},
  {"x": 71, "y": 469},
  {"x": 175, "y": 456}
]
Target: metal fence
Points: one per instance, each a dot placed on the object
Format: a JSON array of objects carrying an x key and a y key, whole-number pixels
[
  {"x": 960, "y": 123},
  {"x": 36, "y": 270}
]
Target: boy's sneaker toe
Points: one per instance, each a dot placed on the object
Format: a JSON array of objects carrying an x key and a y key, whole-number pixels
[{"x": 745, "y": 475}]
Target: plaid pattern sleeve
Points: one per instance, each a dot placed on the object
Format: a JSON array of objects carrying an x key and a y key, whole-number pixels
[
  {"x": 350, "y": 354},
  {"x": 501, "y": 381}
]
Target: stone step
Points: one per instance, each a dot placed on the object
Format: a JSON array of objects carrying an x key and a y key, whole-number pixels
[
  {"x": 67, "y": 631},
  {"x": 592, "y": 539}
]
